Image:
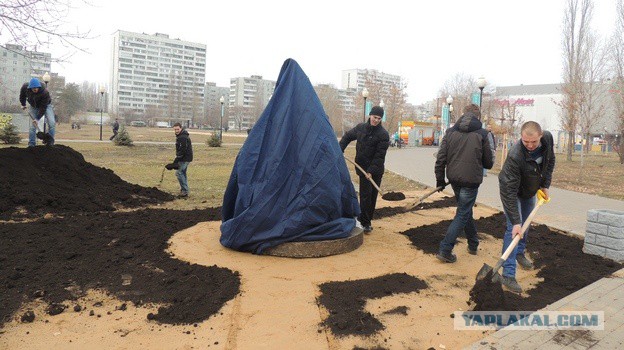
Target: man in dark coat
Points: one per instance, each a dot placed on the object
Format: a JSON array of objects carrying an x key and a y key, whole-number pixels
[
  {"x": 115, "y": 129},
  {"x": 40, "y": 104},
  {"x": 527, "y": 169},
  {"x": 372, "y": 143},
  {"x": 464, "y": 152},
  {"x": 184, "y": 156}
]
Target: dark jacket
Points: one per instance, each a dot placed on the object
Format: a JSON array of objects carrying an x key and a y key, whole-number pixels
[
  {"x": 371, "y": 147},
  {"x": 522, "y": 177},
  {"x": 39, "y": 100},
  {"x": 115, "y": 126},
  {"x": 464, "y": 152},
  {"x": 184, "y": 148}
]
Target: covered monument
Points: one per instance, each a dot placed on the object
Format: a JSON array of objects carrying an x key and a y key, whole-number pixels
[{"x": 290, "y": 182}]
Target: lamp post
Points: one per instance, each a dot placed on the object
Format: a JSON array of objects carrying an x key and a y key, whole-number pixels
[
  {"x": 481, "y": 82},
  {"x": 449, "y": 102},
  {"x": 365, "y": 95},
  {"x": 46, "y": 78},
  {"x": 102, "y": 91},
  {"x": 222, "y": 100}
]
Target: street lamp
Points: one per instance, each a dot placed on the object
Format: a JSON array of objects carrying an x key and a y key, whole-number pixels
[
  {"x": 481, "y": 82},
  {"x": 222, "y": 100},
  {"x": 365, "y": 95},
  {"x": 102, "y": 91},
  {"x": 46, "y": 78},
  {"x": 449, "y": 102}
]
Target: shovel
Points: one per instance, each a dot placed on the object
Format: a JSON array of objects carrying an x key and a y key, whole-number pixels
[
  {"x": 425, "y": 196},
  {"x": 162, "y": 176},
  {"x": 43, "y": 136},
  {"x": 485, "y": 269},
  {"x": 394, "y": 196}
]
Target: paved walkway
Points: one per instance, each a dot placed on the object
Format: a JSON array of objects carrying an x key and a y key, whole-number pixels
[{"x": 567, "y": 211}]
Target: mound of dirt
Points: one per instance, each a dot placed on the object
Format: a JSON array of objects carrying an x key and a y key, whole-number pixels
[
  {"x": 394, "y": 210},
  {"x": 559, "y": 258},
  {"x": 57, "y": 180},
  {"x": 57, "y": 260},
  {"x": 345, "y": 301}
]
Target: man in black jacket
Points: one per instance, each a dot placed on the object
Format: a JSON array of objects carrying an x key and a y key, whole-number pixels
[
  {"x": 184, "y": 155},
  {"x": 40, "y": 105},
  {"x": 528, "y": 168},
  {"x": 115, "y": 129},
  {"x": 464, "y": 152},
  {"x": 370, "y": 154}
]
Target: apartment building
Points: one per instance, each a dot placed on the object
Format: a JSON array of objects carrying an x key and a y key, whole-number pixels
[
  {"x": 357, "y": 79},
  {"x": 212, "y": 103},
  {"x": 248, "y": 97},
  {"x": 17, "y": 66},
  {"x": 157, "y": 77}
]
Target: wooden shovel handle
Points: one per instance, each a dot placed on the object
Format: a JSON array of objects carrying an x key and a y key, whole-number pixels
[
  {"x": 525, "y": 226},
  {"x": 364, "y": 172}
]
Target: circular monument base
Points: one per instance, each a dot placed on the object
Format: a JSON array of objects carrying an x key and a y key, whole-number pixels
[{"x": 317, "y": 249}]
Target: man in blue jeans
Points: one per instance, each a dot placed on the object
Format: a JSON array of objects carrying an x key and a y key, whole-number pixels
[
  {"x": 184, "y": 155},
  {"x": 464, "y": 152},
  {"x": 527, "y": 169},
  {"x": 39, "y": 106}
]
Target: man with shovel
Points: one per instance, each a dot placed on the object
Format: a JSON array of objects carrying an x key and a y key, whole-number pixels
[
  {"x": 40, "y": 105},
  {"x": 464, "y": 152},
  {"x": 370, "y": 154},
  {"x": 528, "y": 168}
]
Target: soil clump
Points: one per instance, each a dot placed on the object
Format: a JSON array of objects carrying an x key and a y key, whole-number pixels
[
  {"x": 35, "y": 181},
  {"x": 391, "y": 211},
  {"x": 559, "y": 258},
  {"x": 346, "y": 300}
]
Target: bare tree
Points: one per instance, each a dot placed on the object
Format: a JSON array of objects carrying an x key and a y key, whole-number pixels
[
  {"x": 460, "y": 87},
  {"x": 32, "y": 23},
  {"x": 575, "y": 42},
  {"x": 617, "y": 67},
  {"x": 237, "y": 114},
  {"x": 330, "y": 100}
]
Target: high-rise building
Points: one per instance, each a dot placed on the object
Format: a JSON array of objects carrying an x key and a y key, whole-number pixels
[
  {"x": 154, "y": 76},
  {"x": 17, "y": 66},
  {"x": 357, "y": 79},
  {"x": 247, "y": 98},
  {"x": 212, "y": 103}
]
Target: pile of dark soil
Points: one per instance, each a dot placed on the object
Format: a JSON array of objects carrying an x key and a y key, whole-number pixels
[
  {"x": 391, "y": 211},
  {"x": 487, "y": 295},
  {"x": 393, "y": 196},
  {"x": 57, "y": 180},
  {"x": 345, "y": 301},
  {"x": 559, "y": 258},
  {"x": 57, "y": 260}
]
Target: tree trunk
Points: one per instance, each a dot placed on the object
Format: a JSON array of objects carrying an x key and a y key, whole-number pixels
[{"x": 570, "y": 146}]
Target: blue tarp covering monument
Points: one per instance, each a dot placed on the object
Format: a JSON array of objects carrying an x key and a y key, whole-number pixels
[{"x": 289, "y": 181}]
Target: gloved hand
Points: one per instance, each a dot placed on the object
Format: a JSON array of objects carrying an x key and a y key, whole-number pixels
[
  {"x": 440, "y": 185},
  {"x": 172, "y": 166}
]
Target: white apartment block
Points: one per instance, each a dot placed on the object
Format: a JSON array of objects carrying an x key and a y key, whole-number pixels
[
  {"x": 247, "y": 99},
  {"x": 155, "y": 76},
  {"x": 212, "y": 103},
  {"x": 357, "y": 78},
  {"x": 17, "y": 66}
]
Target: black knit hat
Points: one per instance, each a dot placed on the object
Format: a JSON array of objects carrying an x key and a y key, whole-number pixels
[{"x": 377, "y": 110}]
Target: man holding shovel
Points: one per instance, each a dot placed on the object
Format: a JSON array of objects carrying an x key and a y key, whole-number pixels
[
  {"x": 528, "y": 168},
  {"x": 370, "y": 154},
  {"x": 464, "y": 152},
  {"x": 40, "y": 105}
]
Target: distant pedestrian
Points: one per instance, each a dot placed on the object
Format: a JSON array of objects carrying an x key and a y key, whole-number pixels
[
  {"x": 370, "y": 154},
  {"x": 184, "y": 156},
  {"x": 464, "y": 152},
  {"x": 527, "y": 169},
  {"x": 115, "y": 129},
  {"x": 492, "y": 140},
  {"x": 40, "y": 105}
]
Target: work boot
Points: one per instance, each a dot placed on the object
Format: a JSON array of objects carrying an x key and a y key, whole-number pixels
[
  {"x": 368, "y": 229},
  {"x": 524, "y": 262},
  {"x": 447, "y": 258},
  {"x": 472, "y": 251},
  {"x": 183, "y": 195},
  {"x": 511, "y": 284}
]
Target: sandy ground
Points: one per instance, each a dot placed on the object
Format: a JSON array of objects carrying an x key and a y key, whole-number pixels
[{"x": 277, "y": 306}]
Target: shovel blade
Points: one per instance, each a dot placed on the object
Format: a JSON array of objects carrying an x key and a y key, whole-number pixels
[{"x": 485, "y": 270}]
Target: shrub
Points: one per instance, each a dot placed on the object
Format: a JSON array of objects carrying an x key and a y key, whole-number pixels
[
  {"x": 214, "y": 140},
  {"x": 9, "y": 134},
  {"x": 123, "y": 137}
]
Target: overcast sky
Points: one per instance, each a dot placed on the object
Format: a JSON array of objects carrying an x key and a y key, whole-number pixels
[{"x": 425, "y": 42}]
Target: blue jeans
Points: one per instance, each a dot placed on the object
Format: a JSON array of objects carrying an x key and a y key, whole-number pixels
[
  {"x": 50, "y": 121},
  {"x": 509, "y": 266},
  {"x": 181, "y": 175},
  {"x": 463, "y": 220}
]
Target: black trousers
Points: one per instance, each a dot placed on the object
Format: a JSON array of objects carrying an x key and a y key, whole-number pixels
[
  {"x": 114, "y": 134},
  {"x": 368, "y": 198}
]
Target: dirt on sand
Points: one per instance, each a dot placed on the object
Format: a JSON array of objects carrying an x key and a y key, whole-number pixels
[{"x": 57, "y": 180}]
